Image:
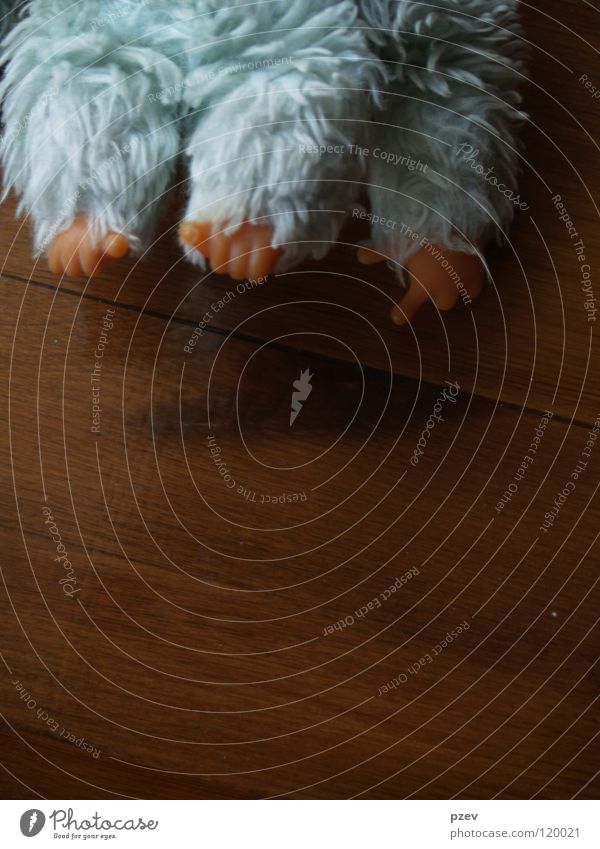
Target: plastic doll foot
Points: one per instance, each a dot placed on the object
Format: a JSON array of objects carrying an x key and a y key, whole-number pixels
[
  {"x": 75, "y": 254},
  {"x": 442, "y": 276},
  {"x": 246, "y": 253},
  {"x": 436, "y": 274}
]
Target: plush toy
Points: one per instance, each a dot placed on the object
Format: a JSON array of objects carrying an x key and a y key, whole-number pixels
[{"x": 286, "y": 111}]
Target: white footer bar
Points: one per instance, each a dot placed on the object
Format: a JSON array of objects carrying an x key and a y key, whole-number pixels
[{"x": 302, "y": 824}]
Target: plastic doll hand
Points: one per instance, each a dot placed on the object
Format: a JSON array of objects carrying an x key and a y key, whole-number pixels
[
  {"x": 436, "y": 274},
  {"x": 75, "y": 254},
  {"x": 246, "y": 253}
]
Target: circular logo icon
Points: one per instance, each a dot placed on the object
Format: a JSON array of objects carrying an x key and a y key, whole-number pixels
[{"x": 32, "y": 822}]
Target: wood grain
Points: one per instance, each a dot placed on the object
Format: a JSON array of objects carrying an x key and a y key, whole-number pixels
[{"x": 274, "y": 626}]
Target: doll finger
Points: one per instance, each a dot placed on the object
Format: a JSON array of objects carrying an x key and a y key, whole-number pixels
[
  {"x": 369, "y": 256},
  {"x": 414, "y": 299}
]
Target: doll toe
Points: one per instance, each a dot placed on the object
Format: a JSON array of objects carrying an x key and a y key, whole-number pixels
[
  {"x": 72, "y": 264},
  {"x": 92, "y": 257},
  {"x": 88, "y": 260},
  {"x": 54, "y": 266},
  {"x": 197, "y": 234},
  {"x": 411, "y": 303},
  {"x": 262, "y": 259},
  {"x": 239, "y": 255},
  {"x": 263, "y": 256},
  {"x": 260, "y": 262},
  {"x": 188, "y": 232},
  {"x": 116, "y": 246},
  {"x": 68, "y": 251},
  {"x": 55, "y": 263},
  {"x": 219, "y": 253},
  {"x": 245, "y": 253},
  {"x": 64, "y": 248},
  {"x": 74, "y": 254}
]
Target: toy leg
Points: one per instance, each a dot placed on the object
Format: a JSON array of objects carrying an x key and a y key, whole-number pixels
[
  {"x": 443, "y": 158},
  {"x": 89, "y": 141},
  {"x": 271, "y": 170}
]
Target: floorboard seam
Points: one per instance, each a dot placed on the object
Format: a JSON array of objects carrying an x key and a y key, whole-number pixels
[{"x": 278, "y": 346}]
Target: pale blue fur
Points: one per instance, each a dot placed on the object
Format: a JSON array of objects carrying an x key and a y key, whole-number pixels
[
  {"x": 456, "y": 69},
  {"x": 309, "y": 82},
  {"x": 9, "y": 12},
  {"x": 99, "y": 98},
  {"x": 84, "y": 132}
]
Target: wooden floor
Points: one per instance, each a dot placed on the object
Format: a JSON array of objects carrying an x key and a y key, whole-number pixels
[{"x": 201, "y": 601}]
